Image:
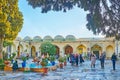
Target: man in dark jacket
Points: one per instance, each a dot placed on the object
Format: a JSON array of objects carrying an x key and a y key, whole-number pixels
[
  {"x": 102, "y": 60},
  {"x": 113, "y": 58}
]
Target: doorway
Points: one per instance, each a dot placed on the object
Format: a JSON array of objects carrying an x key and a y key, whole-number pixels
[{"x": 96, "y": 53}]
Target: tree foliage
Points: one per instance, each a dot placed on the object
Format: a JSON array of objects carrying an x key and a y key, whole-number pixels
[
  {"x": 103, "y": 15},
  {"x": 47, "y": 47},
  {"x": 11, "y": 21}
]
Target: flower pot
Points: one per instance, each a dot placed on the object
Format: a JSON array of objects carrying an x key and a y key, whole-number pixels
[
  {"x": 65, "y": 63},
  {"x": 6, "y": 62},
  {"x": 53, "y": 68},
  {"x": 53, "y": 63},
  {"x": 45, "y": 70},
  {"x": 61, "y": 65},
  {"x": 23, "y": 64},
  {"x": 7, "y": 68}
]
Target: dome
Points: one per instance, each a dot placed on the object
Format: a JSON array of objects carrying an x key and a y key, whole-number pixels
[
  {"x": 47, "y": 38},
  {"x": 70, "y": 38},
  {"x": 37, "y": 39},
  {"x": 27, "y": 38},
  {"x": 59, "y": 38},
  {"x": 18, "y": 39}
]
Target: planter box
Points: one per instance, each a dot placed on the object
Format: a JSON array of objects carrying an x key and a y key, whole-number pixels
[
  {"x": 23, "y": 69},
  {"x": 53, "y": 68},
  {"x": 7, "y": 68},
  {"x": 2, "y": 66},
  {"x": 42, "y": 70}
]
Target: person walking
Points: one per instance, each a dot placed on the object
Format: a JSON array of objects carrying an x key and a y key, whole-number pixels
[
  {"x": 113, "y": 58},
  {"x": 102, "y": 60},
  {"x": 76, "y": 59},
  {"x": 81, "y": 59},
  {"x": 93, "y": 60},
  {"x": 72, "y": 59}
]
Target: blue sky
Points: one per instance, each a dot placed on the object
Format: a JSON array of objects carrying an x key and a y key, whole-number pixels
[{"x": 53, "y": 23}]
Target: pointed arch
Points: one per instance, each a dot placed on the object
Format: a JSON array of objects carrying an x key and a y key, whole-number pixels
[
  {"x": 20, "y": 50},
  {"x": 96, "y": 49},
  {"x": 33, "y": 51},
  {"x": 68, "y": 49},
  {"x": 57, "y": 49},
  {"x": 109, "y": 51},
  {"x": 81, "y": 49}
]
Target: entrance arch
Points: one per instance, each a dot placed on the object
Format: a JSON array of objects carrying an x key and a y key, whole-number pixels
[
  {"x": 33, "y": 51},
  {"x": 57, "y": 49},
  {"x": 96, "y": 49},
  {"x": 109, "y": 51},
  {"x": 19, "y": 49},
  {"x": 68, "y": 49},
  {"x": 81, "y": 49}
]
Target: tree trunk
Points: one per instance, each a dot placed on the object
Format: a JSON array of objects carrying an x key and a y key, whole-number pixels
[{"x": 1, "y": 48}]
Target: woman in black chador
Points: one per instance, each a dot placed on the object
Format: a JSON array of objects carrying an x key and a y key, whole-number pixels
[
  {"x": 81, "y": 59},
  {"x": 113, "y": 58},
  {"x": 102, "y": 60}
]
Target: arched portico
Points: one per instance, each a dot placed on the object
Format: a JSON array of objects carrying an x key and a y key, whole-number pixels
[
  {"x": 19, "y": 50},
  {"x": 68, "y": 49},
  {"x": 81, "y": 49},
  {"x": 57, "y": 49},
  {"x": 96, "y": 49},
  {"x": 109, "y": 51},
  {"x": 33, "y": 51}
]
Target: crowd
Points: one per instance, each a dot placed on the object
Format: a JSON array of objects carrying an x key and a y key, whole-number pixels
[{"x": 76, "y": 59}]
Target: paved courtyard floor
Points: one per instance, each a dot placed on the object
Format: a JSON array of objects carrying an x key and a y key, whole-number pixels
[{"x": 82, "y": 72}]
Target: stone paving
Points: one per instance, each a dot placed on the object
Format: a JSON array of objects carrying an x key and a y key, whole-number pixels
[{"x": 82, "y": 72}]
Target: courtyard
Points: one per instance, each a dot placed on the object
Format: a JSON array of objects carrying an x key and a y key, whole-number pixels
[
  {"x": 81, "y": 72},
  {"x": 34, "y": 45}
]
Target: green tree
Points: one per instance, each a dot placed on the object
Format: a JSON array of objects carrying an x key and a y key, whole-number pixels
[
  {"x": 11, "y": 21},
  {"x": 47, "y": 47},
  {"x": 103, "y": 15}
]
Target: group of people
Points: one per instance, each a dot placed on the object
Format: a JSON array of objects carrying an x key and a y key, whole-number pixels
[
  {"x": 102, "y": 60},
  {"x": 74, "y": 59}
]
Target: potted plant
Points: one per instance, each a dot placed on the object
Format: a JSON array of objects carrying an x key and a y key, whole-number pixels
[
  {"x": 52, "y": 60},
  {"x": 12, "y": 57},
  {"x": 23, "y": 58},
  {"x": 61, "y": 60},
  {"x": 2, "y": 64},
  {"x": 48, "y": 48},
  {"x": 44, "y": 64},
  {"x": 65, "y": 60},
  {"x": 7, "y": 66},
  {"x": 6, "y": 62},
  {"x": 24, "y": 61}
]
